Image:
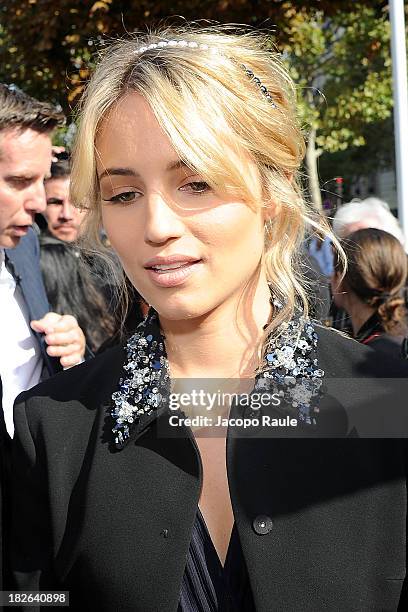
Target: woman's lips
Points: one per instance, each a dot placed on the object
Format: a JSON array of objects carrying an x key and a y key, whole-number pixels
[{"x": 171, "y": 275}]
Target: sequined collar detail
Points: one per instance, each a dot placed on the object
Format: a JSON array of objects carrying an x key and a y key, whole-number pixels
[
  {"x": 290, "y": 368},
  {"x": 145, "y": 383}
]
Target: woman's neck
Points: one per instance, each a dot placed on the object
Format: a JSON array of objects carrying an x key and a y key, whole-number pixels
[
  {"x": 358, "y": 311},
  {"x": 224, "y": 342}
]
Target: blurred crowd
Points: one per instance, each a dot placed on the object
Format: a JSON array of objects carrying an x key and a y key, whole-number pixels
[
  {"x": 368, "y": 295},
  {"x": 76, "y": 281}
]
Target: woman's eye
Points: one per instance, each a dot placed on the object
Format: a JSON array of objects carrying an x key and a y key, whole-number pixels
[
  {"x": 126, "y": 196},
  {"x": 195, "y": 187}
]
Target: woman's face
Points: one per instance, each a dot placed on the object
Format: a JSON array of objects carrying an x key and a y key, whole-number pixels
[{"x": 185, "y": 249}]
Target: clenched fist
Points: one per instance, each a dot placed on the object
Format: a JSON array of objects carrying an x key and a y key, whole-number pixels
[{"x": 64, "y": 337}]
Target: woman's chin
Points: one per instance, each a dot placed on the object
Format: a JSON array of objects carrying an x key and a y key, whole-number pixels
[
  {"x": 178, "y": 313},
  {"x": 177, "y": 308}
]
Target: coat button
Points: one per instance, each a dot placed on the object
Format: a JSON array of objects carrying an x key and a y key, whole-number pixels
[{"x": 262, "y": 524}]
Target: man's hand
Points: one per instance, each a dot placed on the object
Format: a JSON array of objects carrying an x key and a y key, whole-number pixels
[{"x": 64, "y": 337}]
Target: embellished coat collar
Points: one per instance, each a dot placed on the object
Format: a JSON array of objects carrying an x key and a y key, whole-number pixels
[{"x": 290, "y": 368}]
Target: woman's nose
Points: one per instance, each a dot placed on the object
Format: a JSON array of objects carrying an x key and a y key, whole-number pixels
[{"x": 162, "y": 221}]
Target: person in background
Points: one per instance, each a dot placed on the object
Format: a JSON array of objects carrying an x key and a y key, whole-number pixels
[
  {"x": 70, "y": 286},
  {"x": 360, "y": 214},
  {"x": 63, "y": 219},
  {"x": 70, "y": 283},
  {"x": 317, "y": 255},
  {"x": 317, "y": 285},
  {"x": 27, "y": 346},
  {"x": 321, "y": 249},
  {"x": 34, "y": 343},
  {"x": 370, "y": 289}
]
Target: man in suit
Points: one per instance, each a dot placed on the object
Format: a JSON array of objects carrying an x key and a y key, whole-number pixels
[{"x": 34, "y": 343}]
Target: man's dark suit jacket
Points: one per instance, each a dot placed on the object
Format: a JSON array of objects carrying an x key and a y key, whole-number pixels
[
  {"x": 113, "y": 527},
  {"x": 23, "y": 262}
]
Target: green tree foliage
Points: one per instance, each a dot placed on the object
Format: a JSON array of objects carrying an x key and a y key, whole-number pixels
[
  {"x": 354, "y": 163},
  {"x": 46, "y": 46},
  {"x": 342, "y": 65},
  {"x": 338, "y": 47}
]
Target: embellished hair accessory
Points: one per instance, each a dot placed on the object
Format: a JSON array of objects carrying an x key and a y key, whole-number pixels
[
  {"x": 258, "y": 82},
  {"x": 175, "y": 43},
  {"x": 213, "y": 50}
]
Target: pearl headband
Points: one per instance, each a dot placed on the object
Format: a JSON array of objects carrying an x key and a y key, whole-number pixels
[{"x": 213, "y": 50}]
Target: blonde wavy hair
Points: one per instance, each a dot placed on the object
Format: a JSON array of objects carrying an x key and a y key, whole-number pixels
[{"x": 218, "y": 120}]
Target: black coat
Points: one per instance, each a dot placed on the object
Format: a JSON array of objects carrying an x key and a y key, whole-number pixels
[
  {"x": 113, "y": 527},
  {"x": 373, "y": 334}
]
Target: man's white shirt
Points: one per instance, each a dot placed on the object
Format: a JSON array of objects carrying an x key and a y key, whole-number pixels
[{"x": 20, "y": 356}]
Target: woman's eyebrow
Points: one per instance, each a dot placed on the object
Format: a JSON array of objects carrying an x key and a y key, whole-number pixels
[
  {"x": 177, "y": 164},
  {"x": 118, "y": 172},
  {"x": 174, "y": 165}
]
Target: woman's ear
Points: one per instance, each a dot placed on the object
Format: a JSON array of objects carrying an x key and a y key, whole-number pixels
[{"x": 271, "y": 211}]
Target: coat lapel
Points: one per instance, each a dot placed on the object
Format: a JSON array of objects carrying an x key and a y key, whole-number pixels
[{"x": 132, "y": 513}]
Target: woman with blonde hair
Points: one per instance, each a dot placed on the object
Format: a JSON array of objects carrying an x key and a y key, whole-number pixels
[{"x": 137, "y": 487}]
